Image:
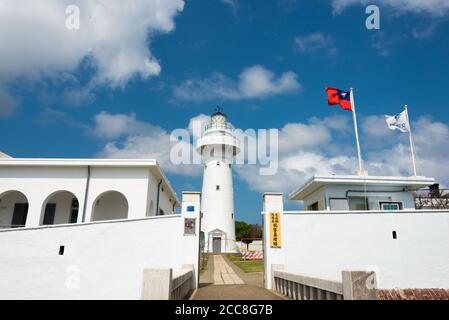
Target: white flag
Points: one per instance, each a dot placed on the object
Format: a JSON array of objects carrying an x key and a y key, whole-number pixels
[{"x": 399, "y": 122}]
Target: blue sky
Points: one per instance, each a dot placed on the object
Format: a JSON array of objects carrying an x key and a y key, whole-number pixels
[{"x": 99, "y": 91}]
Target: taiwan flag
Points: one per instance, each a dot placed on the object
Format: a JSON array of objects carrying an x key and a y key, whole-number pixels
[{"x": 337, "y": 96}]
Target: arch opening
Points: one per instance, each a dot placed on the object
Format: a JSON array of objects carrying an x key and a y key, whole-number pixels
[
  {"x": 13, "y": 209},
  {"x": 111, "y": 205},
  {"x": 61, "y": 207}
]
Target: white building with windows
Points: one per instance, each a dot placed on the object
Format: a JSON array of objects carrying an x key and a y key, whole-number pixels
[
  {"x": 343, "y": 193},
  {"x": 36, "y": 192},
  {"x": 218, "y": 147},
  {"x": 357, "y": 223},
  {"x": 94, "y": 229}
]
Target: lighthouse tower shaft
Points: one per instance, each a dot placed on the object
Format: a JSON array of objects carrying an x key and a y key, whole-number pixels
[{"x": 218, "y": 146}]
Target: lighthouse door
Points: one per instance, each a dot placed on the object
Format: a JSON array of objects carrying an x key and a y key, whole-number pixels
[{"x": 216, "y": 245}]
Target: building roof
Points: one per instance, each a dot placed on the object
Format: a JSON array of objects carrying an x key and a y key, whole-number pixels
[
  {"x": 4, "y": 155},
  {"x": 116, "y": 163},
  {"x": 316, "y": 182},
  {"x": 62, "y": 162}
]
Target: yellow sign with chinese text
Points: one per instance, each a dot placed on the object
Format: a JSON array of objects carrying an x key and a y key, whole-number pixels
[{"x": 275, "y": 230}]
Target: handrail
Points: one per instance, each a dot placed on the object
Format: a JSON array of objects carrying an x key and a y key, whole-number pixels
[
  {"x": 219, "y": 126},
  {"x": 355, "y": 285},
  {"x": 301, "y": 287},
  {"x": 319, "y": 283},
  {"x": 181, "y": 285}
]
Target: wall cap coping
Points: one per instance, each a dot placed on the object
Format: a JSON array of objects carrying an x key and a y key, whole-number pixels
[{"x": 68, "y": 225}]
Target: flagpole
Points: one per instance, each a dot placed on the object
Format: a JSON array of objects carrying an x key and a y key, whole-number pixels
[
  {"x": 359, "y": 153},
  {"x": 411, "y": 141}
]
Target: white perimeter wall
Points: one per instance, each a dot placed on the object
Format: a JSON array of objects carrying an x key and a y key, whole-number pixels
[
  {"x": 106, "y": 259},
  {"x": 323, "y": 245}
]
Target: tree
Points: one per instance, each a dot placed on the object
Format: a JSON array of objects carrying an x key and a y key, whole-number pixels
[
  {"x": 245, "y": 230},
  {"x": 241, "y": 230},
  {"x": 255, "y": 231}
]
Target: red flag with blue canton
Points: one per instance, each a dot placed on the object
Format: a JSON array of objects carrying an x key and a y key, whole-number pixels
[{"x": 337, "y": 96}]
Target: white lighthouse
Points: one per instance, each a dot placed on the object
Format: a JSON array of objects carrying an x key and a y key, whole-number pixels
[{"x": 218, "y": 146}]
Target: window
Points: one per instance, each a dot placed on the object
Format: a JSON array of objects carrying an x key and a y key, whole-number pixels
[
  {"x": 217, "y": 188},
  {"x": 313, "y": 207},
  {"x": 338, "y": 204},
  {"x": 358, "y": 203},
  {"x": 388, "y": 206},
  {"x": 74, "y": 211},
  {"x": 49, "y": 214}
]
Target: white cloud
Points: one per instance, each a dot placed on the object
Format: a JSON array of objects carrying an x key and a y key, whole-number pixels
[
  {"x": 393, "y": 150},
  {"x": 385, "y": 152},
  {"x": 198, "y": 122},
  {"x": 313, "y": 42},
  {"x": 259, "y": 82},
  {"x": 78, "y": 97},
  {"x": 129, "y": 137},
  {"x": 253, "y": 82},
  {"x": 113, "y": 39},
  {"x": 8, "y": 104},
  {"x": 305, "y": 149},
  {"x": 434, "y": 7},
  {"x": 424, "y": 32},
  {"x": 299, "y": 136},
  {"x": 113, "y": 126}
]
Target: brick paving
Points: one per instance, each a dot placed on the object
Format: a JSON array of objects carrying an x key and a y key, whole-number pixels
[{"x": 413, "y": 294}]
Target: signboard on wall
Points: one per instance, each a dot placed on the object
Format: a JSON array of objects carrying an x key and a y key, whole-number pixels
[
  {"x": 275, "y": 230},
  {"x": 189, "y": 226}
]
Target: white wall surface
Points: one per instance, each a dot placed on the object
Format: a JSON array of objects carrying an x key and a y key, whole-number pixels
[
  {"x": 111, "y": 205},
  {"x": 374, "y": 194},
  {"x": 138, "y": 185},
  {"x": 323, "y": 245},
  {"x": 102, "y": 260},
  {"x": 165, "y": 201},
  {"x": 317, "y": 196},
  {"x": 131, "y": 182},
  {"x": 37, "y": 184},
  {"x": 374, "y": 197}
]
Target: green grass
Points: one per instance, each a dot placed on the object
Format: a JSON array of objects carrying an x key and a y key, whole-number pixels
[
  {"x": 204, "y": 261},
  {"x": 246, "y": 265}
]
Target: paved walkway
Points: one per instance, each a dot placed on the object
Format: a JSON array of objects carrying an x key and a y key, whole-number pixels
[
  {"x": 223, "y": 273},
  {"x": 222, "y": 280}
]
